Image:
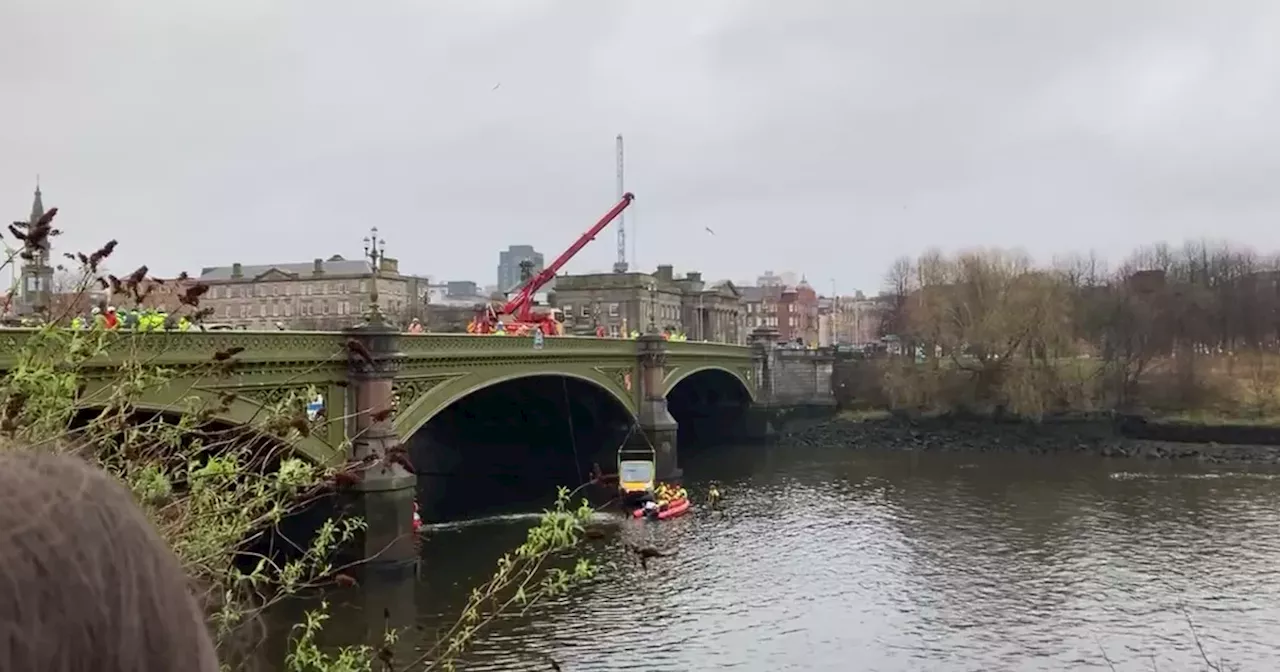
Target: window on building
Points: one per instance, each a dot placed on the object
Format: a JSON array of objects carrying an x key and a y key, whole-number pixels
[
  {"x": 586, "y": 311},
  {"x": 568, "y": 309},
  {"x": 275, "y": 310},
  {"x": 613, "y": 310},
  {"x": 262, "y": 310}
]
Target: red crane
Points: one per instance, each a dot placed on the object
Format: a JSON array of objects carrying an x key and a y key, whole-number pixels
[{"x": 517, "y": 316}]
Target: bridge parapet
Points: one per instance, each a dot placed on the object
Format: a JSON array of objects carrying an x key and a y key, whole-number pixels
[
  {"x": 195, "y": 347},
  {"x": 444, "y": 344},
  {"x": 684, "y": 349}
]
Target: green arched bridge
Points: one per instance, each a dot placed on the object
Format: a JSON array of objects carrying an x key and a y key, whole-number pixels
[
  {"x": 463, "y": 405},
  {"x": 430, "y": 372}
]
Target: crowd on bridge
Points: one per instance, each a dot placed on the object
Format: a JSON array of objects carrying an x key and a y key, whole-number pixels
[
  {"x": 527, "y": 330},
  {"x": 134, "y": 319},
  {"x": 111, "y": 319}
]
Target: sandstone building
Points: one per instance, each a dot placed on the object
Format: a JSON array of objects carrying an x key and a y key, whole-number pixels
[
  {"x": 625, "y": 302},
  {"x": 324, "y": 294}
]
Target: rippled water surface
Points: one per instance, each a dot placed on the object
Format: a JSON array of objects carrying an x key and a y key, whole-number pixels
[{"x": 857, "y": 561}]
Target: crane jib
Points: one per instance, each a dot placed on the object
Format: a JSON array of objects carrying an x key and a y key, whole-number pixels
[{"x": 520, "y": 307}]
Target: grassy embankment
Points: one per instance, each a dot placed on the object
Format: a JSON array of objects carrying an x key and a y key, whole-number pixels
[{"x": 1227, "y": 389}]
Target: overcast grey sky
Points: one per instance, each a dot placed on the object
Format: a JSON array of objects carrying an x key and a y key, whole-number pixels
[{"x": 824, "y": 138}]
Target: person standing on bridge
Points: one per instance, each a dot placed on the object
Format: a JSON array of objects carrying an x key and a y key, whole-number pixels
[{"x": 415, "y": 327}]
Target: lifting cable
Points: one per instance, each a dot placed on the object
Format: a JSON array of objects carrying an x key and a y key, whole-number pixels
[{"x": 573, "y": 433}]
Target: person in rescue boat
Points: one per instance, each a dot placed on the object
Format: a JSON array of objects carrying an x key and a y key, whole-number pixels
[{"x": 651, "y": 509}]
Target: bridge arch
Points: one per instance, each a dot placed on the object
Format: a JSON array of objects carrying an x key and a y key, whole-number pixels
[
  {"x": 504, "y": 443},
  {"x": 683, "y": 374},
  {"x": 422, "y": 410},
  {"x": 241, "y": 412},
  {"x": 709, "y": 404}
]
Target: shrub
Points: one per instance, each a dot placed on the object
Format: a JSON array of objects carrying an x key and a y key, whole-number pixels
[{"x": 214, "y": 492}]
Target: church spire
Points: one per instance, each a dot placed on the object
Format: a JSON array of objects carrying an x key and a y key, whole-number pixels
[{"x": 37, "y": 205}]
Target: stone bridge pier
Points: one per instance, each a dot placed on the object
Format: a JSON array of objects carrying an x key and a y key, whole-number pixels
[
  {"x": 654, "y": 425},
  {"x": 384, "y": 494}
]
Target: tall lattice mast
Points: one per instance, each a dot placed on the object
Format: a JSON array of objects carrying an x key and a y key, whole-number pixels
[{"x": 620, "y": 266}]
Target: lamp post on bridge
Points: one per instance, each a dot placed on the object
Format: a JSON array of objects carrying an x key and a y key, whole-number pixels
[
  {"x": 374, "y": 251},
  {"x": 385, "y": 493}
]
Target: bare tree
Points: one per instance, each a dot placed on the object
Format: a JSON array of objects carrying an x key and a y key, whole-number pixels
[{"x": 898, "y": 285}]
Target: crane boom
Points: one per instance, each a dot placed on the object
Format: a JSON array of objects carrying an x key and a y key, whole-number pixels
[{"x": 521, "y": 304}]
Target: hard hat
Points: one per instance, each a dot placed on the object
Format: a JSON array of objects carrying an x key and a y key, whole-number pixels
[
  {"x": 111, "y": 309},
  {"x": 96, "y": 310}
]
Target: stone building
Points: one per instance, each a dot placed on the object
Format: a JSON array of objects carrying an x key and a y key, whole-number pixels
[
  {"x": 35, "y": 284},
  {"x": 848, "y": 320},
  {"x": 449, "y": 318},
  {"x": 793, "y": 311},
  {"x": 324, "y": 294},
  {"x": 625, "y": 302},
  {"x": 711, "y": 313}
]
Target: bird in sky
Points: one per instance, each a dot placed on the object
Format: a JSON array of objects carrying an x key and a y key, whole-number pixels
[
  {"x": 709, "y": 230},
  {"x": 495, "y": 86}
]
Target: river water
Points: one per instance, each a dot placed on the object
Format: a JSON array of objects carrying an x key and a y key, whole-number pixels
[{"x": 842, "y": 560}]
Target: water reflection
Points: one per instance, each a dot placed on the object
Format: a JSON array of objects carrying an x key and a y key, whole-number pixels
[{"x": 826, "y": 560}]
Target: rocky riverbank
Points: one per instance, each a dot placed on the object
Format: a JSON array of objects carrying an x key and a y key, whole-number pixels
[{"x": 1107, "y": 438}]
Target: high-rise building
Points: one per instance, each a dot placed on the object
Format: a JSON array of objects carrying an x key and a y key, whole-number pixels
[{"x": 509, "y": 265}]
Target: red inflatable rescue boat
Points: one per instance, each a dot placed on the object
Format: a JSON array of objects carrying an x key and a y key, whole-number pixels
[{"x": 668, "y": 510}]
